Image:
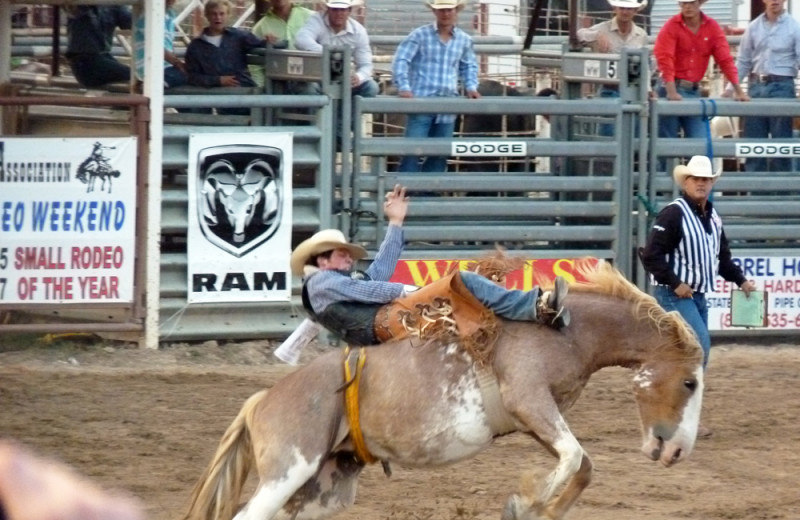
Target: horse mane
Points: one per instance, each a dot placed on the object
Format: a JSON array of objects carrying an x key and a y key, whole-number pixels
[{"x": 602, "y": 278}]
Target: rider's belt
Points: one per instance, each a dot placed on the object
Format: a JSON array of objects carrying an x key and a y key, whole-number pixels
[
  {"x": 469, "y": 314},
  {"x": 686, "y": 84},
  {"x": 769, "y": 78}
]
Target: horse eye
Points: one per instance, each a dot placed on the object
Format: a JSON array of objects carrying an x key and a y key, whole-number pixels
[{"x": 690, "y": 384}]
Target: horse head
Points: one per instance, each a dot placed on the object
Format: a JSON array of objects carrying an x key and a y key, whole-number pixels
[
  {"x": 669, "y": 393},
  {"x": 667, "y": 360}
]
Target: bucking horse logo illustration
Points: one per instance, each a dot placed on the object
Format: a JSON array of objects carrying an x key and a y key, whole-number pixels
[{"x": 96, "y": 166}]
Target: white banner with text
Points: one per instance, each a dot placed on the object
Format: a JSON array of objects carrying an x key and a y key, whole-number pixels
[
  {"x": 778, "y": 275},
  {"x": 67, "y": 220},
  {"x": 240, "y": 217}
]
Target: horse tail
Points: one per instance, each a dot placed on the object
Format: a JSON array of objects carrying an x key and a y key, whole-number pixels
[{"x": 217, "y": 493}]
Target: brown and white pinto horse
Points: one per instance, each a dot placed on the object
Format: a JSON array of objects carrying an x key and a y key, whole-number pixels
[{"x": 422, "y": 406}]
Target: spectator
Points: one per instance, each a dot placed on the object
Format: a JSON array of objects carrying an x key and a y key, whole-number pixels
[
  {"x": 612, "y": 36},
  {"x": 90, "y": 35},
  {"x": 335, "y": 29},
  {"x": 687, "y": 249},
  {"x": 174, "y": 69},
  {"x": 683, "y": 48},
  {"x": 32, "y": 488},
  {"x": 769, "y": 56},
  {"x": 428, "y": 63},
  {"x": 218, "y": 57},
  {"x": 279, "y": 26}
]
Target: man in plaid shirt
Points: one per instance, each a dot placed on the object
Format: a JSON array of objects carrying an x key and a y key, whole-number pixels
[{"x": 428, "y": 63}]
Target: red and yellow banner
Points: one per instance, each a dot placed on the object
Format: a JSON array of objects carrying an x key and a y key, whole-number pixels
[{"x": 423, "y": 272}]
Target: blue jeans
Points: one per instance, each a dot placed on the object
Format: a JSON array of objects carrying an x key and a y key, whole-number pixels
[
  {"x": 367, "y": 89},
  {"x": 694, "y": 310},
  {"x": 765, "y": 127},
  {"x": 607, "y": 129},
  {"x": 173, "y": 77},
  {"x": 510, "y": 304},
  {"x": 425, "y": 125},
  {"x": 693, "y": 126},
  {"x": 93, "y": 71}
]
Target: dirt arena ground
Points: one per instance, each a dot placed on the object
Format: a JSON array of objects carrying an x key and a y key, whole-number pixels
[{"x": 146, "y": 422}]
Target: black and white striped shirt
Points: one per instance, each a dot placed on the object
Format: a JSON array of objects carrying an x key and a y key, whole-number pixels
[{"x": 687, "y": 245}]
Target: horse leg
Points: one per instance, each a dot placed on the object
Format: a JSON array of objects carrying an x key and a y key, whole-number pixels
[
  {"x": 331, "y": 490},
  {"x": 558, "y": 507},
  {"x": 294, "y": 430},
  {"x": 573, "y": 470},
  {"x": 272, "y": 495}
]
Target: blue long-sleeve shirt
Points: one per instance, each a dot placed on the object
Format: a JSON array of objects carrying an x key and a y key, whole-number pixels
[
  {"x": 427, "y": 66},
  {"x": 326, "y": 287},
  {"x": 770, "y": 48},
  {"x": 205, "y": 62}
]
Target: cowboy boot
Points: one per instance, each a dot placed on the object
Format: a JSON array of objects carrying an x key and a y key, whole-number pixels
[{"x": 550, "y": 308}]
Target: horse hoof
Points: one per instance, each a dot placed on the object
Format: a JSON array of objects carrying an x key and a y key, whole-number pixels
[{"x": 516, "y": 509}]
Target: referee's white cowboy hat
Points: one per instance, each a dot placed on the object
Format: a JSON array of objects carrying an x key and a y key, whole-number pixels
[
  {"x": 698, "y": 166},
  {"x": 628, "y": 4},
  {"x": 445, "y": 4},
  {"x": 321, "y": 242}
]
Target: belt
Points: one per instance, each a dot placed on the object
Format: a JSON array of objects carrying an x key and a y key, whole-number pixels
[
  {"x": 685, "y": 83},
  {"x": 769, "y": 78}
]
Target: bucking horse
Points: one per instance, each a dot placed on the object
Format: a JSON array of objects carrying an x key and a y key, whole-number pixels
[{"x": 423, "y": 404}]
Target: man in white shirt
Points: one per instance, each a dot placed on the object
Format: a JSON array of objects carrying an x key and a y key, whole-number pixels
[
  {"x": 612, "y": 36},
  {"x": 335, "y": 29},
  {"x": 617, "y": 33}
]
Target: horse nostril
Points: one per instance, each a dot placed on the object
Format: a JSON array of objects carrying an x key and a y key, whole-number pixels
[
  {"x": 677, "y": 455},
  {"x": 655, "y": 454}
]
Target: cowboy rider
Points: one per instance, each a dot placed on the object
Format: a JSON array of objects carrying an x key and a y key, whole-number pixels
[{"x": 347, "y": 302}]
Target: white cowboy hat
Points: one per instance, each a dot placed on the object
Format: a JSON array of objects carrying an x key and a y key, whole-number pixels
[
  {"x": 627, "y": 4},
  {"x": 445, "y": 4},
  {"x": 342, "y": 4},
  {"x": 320, "y": 242},
  {"x": 698, "y": 166}
]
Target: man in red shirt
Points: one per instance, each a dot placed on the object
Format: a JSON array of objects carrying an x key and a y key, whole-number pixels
[{"x": 683, "y": 48}]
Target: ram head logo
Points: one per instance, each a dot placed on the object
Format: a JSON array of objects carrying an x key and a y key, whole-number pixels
[{"x": 239, "y": 199}]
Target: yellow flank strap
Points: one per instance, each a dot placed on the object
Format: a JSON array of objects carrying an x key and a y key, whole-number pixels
[{"x": 351, "y": 405}]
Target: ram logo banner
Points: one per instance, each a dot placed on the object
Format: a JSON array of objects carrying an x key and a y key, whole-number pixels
[
  {"x": 239, "y": 217},
  {"x": 239, "y": 195},
  {"x": 67, "y": 220}
]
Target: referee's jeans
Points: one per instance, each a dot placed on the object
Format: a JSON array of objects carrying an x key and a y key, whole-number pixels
[{"x": 694, "y": 310}]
